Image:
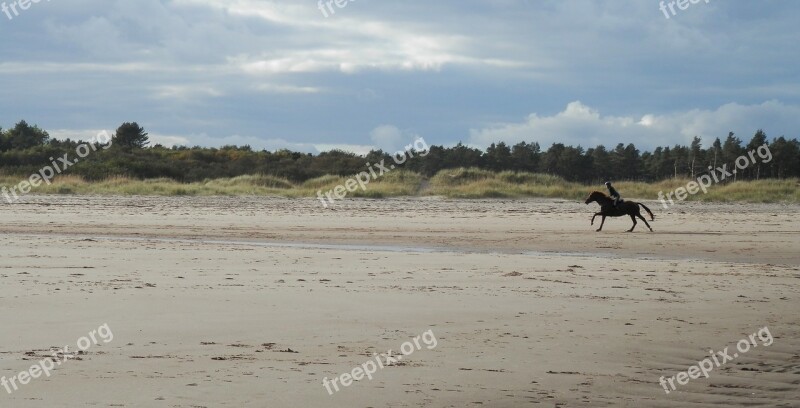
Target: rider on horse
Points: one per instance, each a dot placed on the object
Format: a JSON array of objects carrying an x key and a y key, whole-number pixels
[{"x": 613, "y": 193}]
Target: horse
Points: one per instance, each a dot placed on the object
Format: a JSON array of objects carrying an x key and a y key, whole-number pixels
[{"x": 607, "y": 209}]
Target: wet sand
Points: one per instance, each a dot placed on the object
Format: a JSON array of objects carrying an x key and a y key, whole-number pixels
[{"x": 251, "y": 301}]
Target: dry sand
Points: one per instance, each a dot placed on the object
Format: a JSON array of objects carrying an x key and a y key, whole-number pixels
[{"x": 251, "y": 302}]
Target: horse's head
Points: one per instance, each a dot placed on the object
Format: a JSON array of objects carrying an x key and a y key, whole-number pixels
[{"x": 596, "y": 195}]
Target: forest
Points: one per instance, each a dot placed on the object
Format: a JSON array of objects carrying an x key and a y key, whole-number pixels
[{"x": 25, "y": 148}]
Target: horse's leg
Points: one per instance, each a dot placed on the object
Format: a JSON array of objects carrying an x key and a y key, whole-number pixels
[
  {"x": 634, "y": 223},
  {"x": 602, "y": 221},
  {"x": 595, "y": 215},
  {"x": 645, "y": 222}
]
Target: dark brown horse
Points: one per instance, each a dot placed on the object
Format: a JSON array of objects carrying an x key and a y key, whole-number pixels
[{"x": 607, "y": 209}]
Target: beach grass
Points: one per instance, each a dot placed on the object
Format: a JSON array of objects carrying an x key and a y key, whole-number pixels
[{"x": 466, "y": 183}]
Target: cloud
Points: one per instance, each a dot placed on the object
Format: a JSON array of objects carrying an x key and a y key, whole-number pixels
[
  {"x": 271, "y": 144},
  {"x": 262, "y": 68},
  {"x": 287, "y": 89},
  {"x": 84, "y": 135},
  {"x": 92, "y": 135},
  {"x": 390, "y": 139},
  {"x": 579, "y": 124},
  {"x": 360, "y": 150},
  {"x": 256, "y": 143},
  {"x": 350, "y": 41},
  {"x": 185, "y": 91},
  {"x": 167, "y": 140}
]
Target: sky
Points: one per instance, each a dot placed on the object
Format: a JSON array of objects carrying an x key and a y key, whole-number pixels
[{"x": 310, "y": 77}]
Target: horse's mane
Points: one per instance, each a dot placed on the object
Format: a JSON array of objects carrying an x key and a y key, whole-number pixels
[{"x": 598, "y": 192}]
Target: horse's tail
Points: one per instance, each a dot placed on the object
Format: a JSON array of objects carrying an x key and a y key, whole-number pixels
[{"x": 652, "y": 217}]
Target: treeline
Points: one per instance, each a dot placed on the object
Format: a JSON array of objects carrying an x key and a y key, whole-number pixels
[{"x": 24, "y": 149}]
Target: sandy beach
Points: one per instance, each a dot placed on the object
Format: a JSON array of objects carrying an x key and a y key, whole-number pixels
[{"x": 253, "y": 302}]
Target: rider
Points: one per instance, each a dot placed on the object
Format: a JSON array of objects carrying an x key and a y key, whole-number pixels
[{"x": 613, "y": 193}]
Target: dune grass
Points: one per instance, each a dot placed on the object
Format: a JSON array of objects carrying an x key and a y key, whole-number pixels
[
  {"x": 477, "y": 183},
  {"x": 760, "y": 191},
  {"x": 241, "y": 185},
  {"x": 393, "y": 184},
  {"x": 452, "y": 183}
]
